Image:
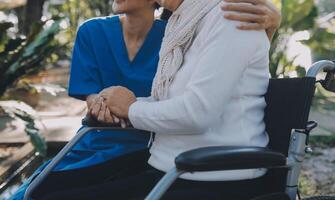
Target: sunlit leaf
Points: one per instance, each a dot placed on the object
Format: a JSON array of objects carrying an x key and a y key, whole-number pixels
[
  {"x": 294, "y": 12},
  {"x": 307, "y": 22},
  {"x": 28, "y": 115},
  {"x": 27, "y": 58},
  {"x": 49, "y": 88}
]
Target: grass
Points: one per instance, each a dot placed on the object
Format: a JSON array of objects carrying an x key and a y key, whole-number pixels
[
  {"x": 322, "y": 141},
  {"x": 307, "y": 187}
]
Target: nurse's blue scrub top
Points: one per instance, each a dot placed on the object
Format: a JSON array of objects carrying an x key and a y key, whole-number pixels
[{"x": 100, "y": 60}]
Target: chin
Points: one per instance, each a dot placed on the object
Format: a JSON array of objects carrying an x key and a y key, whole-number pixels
[
  {"x": 160, "y": 2},
  {"x": 118, "y": 8},
  {"x": 118, "y": 11}
]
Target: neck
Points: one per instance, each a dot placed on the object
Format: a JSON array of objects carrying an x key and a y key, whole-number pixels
[{"x": 137, "y": 25}]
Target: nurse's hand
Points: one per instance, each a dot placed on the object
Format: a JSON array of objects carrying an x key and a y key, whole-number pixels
[
  {"x": 118, "y": 100},
  {"x": 256, "y": 15},
  {"x": 94, "y": 104},
  {"x": 96, "y": 108},
  {"x": 90, "y": 100},
  {"x": 106, "y": 116}
]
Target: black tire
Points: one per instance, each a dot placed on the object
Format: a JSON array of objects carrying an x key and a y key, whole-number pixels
[{"x": 321, "y": 198}]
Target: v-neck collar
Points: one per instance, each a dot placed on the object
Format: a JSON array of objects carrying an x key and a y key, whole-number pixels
[{"x": 140, "y": 51}]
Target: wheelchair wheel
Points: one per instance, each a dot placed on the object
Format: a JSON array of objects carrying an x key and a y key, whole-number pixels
[{"x": 321, "y": 198}]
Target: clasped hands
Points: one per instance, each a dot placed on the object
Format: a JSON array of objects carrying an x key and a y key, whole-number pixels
[{"x": 111, "y": 105}]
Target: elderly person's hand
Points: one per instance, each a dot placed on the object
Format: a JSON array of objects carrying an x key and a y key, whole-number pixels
[
  {"x": 90, "y": 100},
  {"x": 94, "y": 104},
  {"x": 97, "y": 109},
  {"x": 118, "y": 100},
  {"x": 256, "y": 15}
]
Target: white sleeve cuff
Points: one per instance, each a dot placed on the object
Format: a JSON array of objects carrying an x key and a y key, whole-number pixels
[{"x": 134, "y": 110}]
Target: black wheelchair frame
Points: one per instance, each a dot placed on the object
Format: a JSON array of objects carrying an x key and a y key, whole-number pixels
[{"x": 286, "y": 117}]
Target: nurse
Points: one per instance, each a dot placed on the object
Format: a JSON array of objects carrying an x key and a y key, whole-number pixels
[{"x": 111, "y": 51}]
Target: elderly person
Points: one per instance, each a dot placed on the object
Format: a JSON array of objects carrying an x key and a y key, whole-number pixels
[{"x": 208, "y": 91}]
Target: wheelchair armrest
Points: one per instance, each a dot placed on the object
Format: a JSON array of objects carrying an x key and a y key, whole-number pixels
[
  {"x": 229, "y": 158},
  {"x": 90, "y": 121}
]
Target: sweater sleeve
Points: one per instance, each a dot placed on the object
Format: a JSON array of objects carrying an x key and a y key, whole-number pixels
[{"x": 224, "y": 56}]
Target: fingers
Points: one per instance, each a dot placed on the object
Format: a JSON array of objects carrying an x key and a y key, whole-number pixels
[
  {"x": 255, "y": 2},
  {"x": 96, "y": 107},
  {"x": 109, "y": 117},
  {"x": 90, "y": 101},
  {"x": 257, "y": 14},
  {"x": 243, "y": 17},
  {"x": 105, "y": 93},
  {"x": 116, "y": 112},
  {"x": 244, "y": 8},
  {"x": 116, "y": 119},
  {"x": 123, "y": 123},
  {"x": 112, "y": 119},
  {"x": 106, "y": 116},
  {"x": 102, "y": 113}
]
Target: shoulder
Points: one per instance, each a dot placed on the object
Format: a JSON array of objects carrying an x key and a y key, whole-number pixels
[
  {"x": 98, "y": 23},
  {"x": 215, "y": 27}
]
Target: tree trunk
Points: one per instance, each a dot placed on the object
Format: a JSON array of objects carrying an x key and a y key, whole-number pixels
[
  {"x": 107, "y": 8},
  {"x": 34, "y": 12},
  {"x": 20, "y": 13}
]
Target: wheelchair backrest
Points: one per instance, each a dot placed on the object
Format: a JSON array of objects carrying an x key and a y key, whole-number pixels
[{"x": 288, "y": 105}]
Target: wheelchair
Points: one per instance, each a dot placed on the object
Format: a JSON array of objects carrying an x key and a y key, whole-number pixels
[{"x": 286, "y": 118}]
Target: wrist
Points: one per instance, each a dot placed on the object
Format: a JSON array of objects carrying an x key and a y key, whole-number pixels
[{"x": 90, "y": 99}]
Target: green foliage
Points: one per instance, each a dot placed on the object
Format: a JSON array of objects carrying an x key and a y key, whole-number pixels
[
  {"x": 101, "y": 7},
  {"x": 25, "y": 55},
  {"x": 76, "y": 12},
  {"x": 322, "y": 43},
  {"x": 27, "y": 114},
  {"x": 21, "y": 56},
  {"x": 323, "y": 141},
  {"x": 297, "y": 16}
]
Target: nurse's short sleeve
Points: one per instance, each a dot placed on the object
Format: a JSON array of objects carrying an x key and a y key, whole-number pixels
[{"x": 84, "y": 77}]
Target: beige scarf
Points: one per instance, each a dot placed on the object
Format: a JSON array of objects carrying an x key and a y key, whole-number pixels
[{"x": 179, "y": 35}]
